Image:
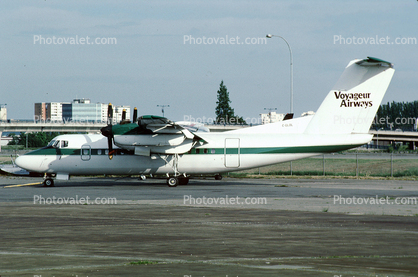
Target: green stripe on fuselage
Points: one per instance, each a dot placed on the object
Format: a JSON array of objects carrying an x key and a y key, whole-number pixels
[
  {"x": 208, "y": 151},
  {"x": 55, "y": 151}
]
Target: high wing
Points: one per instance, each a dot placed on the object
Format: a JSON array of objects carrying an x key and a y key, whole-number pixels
[{"x": 152, "y": 134}]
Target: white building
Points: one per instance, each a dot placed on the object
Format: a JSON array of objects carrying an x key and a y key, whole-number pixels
[
  {"x": 56, "y": 111},
  {"x": 3, "y": 113},
  {"x": 117, "y": 113},
  {"x": 271, "y": 117}
]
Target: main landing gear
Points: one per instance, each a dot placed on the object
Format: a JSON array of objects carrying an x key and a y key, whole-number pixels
[{"x": 174, "y": 181}]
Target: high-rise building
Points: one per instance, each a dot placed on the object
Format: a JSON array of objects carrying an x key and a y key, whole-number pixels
[
  {"x": 42, "y": 111},
  {"x": 48, "y": 111},
  {"x": 80, "y": 110},
  {"x": 55, "y": 111}
]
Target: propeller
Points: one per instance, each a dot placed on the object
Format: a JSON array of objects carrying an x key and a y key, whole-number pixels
[{"x": 107, "y": 131}]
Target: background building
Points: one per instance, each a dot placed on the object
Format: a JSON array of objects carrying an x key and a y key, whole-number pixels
[
  {"x": 3, "y": 113},
  {"x": 80, "y": 110},
  {"x": 55, "y": 111},
  {"x": 42, "y": 111},
  {"x": 271, "y": 117}
]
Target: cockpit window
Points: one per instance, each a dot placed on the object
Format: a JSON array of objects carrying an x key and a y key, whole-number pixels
[
  {"x": 56, "y": 144},
  {"x": 51, "y": 143},
  {"x": 64, "y": 143}
]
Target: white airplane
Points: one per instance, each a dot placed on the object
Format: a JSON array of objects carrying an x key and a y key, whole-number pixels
[{"x": 154, "y": 145}]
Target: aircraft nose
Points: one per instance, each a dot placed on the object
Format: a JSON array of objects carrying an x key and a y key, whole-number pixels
[
  {"x": 21, "y": 162},
  {"x": 33, "y": 163},
  {"x": 27, "y": 163}
]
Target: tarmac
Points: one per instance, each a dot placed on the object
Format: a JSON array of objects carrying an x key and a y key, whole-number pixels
[{"x": 233, "y": 227}]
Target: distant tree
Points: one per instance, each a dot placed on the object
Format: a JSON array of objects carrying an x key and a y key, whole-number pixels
[
  {"x": 15, "y": 139},
  {"x": 396, "y": 115},
  {"x": 224, "y": 113},
  {"x": 223, "y": 109}
]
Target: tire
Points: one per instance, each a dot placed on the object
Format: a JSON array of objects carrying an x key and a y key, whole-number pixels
[
  {"x": 218, "y": 177},
  {"x": 172, "y": 182},
  {"x": 48, "y": 182}
]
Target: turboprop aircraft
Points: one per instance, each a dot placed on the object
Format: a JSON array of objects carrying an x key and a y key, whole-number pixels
[{"x": 153, "y": 145}]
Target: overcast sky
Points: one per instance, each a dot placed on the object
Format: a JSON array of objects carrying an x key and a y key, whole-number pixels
[{"x": 153, "y": 60}]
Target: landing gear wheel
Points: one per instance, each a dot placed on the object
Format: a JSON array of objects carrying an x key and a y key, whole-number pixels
[
  {"x": 172, "y": 182},
  {"x": 48, "y": 182},
  {"x": 183, "y": 181},
  {"x": 218, "y": 177}
]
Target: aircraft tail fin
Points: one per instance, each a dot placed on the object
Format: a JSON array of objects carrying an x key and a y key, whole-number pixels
[{"x": 352, "y": 103}]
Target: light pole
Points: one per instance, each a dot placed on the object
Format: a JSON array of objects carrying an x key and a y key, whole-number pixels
[
  {"x": 377, "y": 138},
  {"x": 291, "y": 70}
]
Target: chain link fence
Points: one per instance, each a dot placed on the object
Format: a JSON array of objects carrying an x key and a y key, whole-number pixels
[{"x": 350, "y": 165}]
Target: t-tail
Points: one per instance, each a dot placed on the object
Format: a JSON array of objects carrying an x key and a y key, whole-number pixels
[{"x": 351, "y": 105}]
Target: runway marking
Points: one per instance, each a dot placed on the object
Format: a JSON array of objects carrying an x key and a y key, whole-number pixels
[{"x": 23, "y": 185}]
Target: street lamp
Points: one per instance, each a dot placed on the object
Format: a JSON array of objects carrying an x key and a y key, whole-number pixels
[
  {"x": 291, "y": 70},
  {"x": 377, "y": 138}
]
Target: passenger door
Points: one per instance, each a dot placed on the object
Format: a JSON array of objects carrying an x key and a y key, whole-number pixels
[
  {"x": 232, "y": 152},
  {"x": 85, "y": 152}
]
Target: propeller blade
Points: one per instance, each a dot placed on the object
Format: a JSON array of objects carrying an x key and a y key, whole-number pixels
[
  {"x": 107, "y": 131},
  {"x": 123, "y": 114},
  {"x": 135, "y": 115},
  {"x": 110, "y": 147},
  {"x": 109, "y": 114}
]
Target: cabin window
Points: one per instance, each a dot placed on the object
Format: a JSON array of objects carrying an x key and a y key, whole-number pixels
[
  {"x": 99, "y": 151},
  {"x": 197, "y": 151},
  {"x": 212, "y": 151},
  {"x": 205, "y": 151},
  {"x": 64, "y": 143}
]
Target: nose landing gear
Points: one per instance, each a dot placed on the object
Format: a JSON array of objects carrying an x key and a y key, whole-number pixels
[{"x": 48, "y": 181}]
